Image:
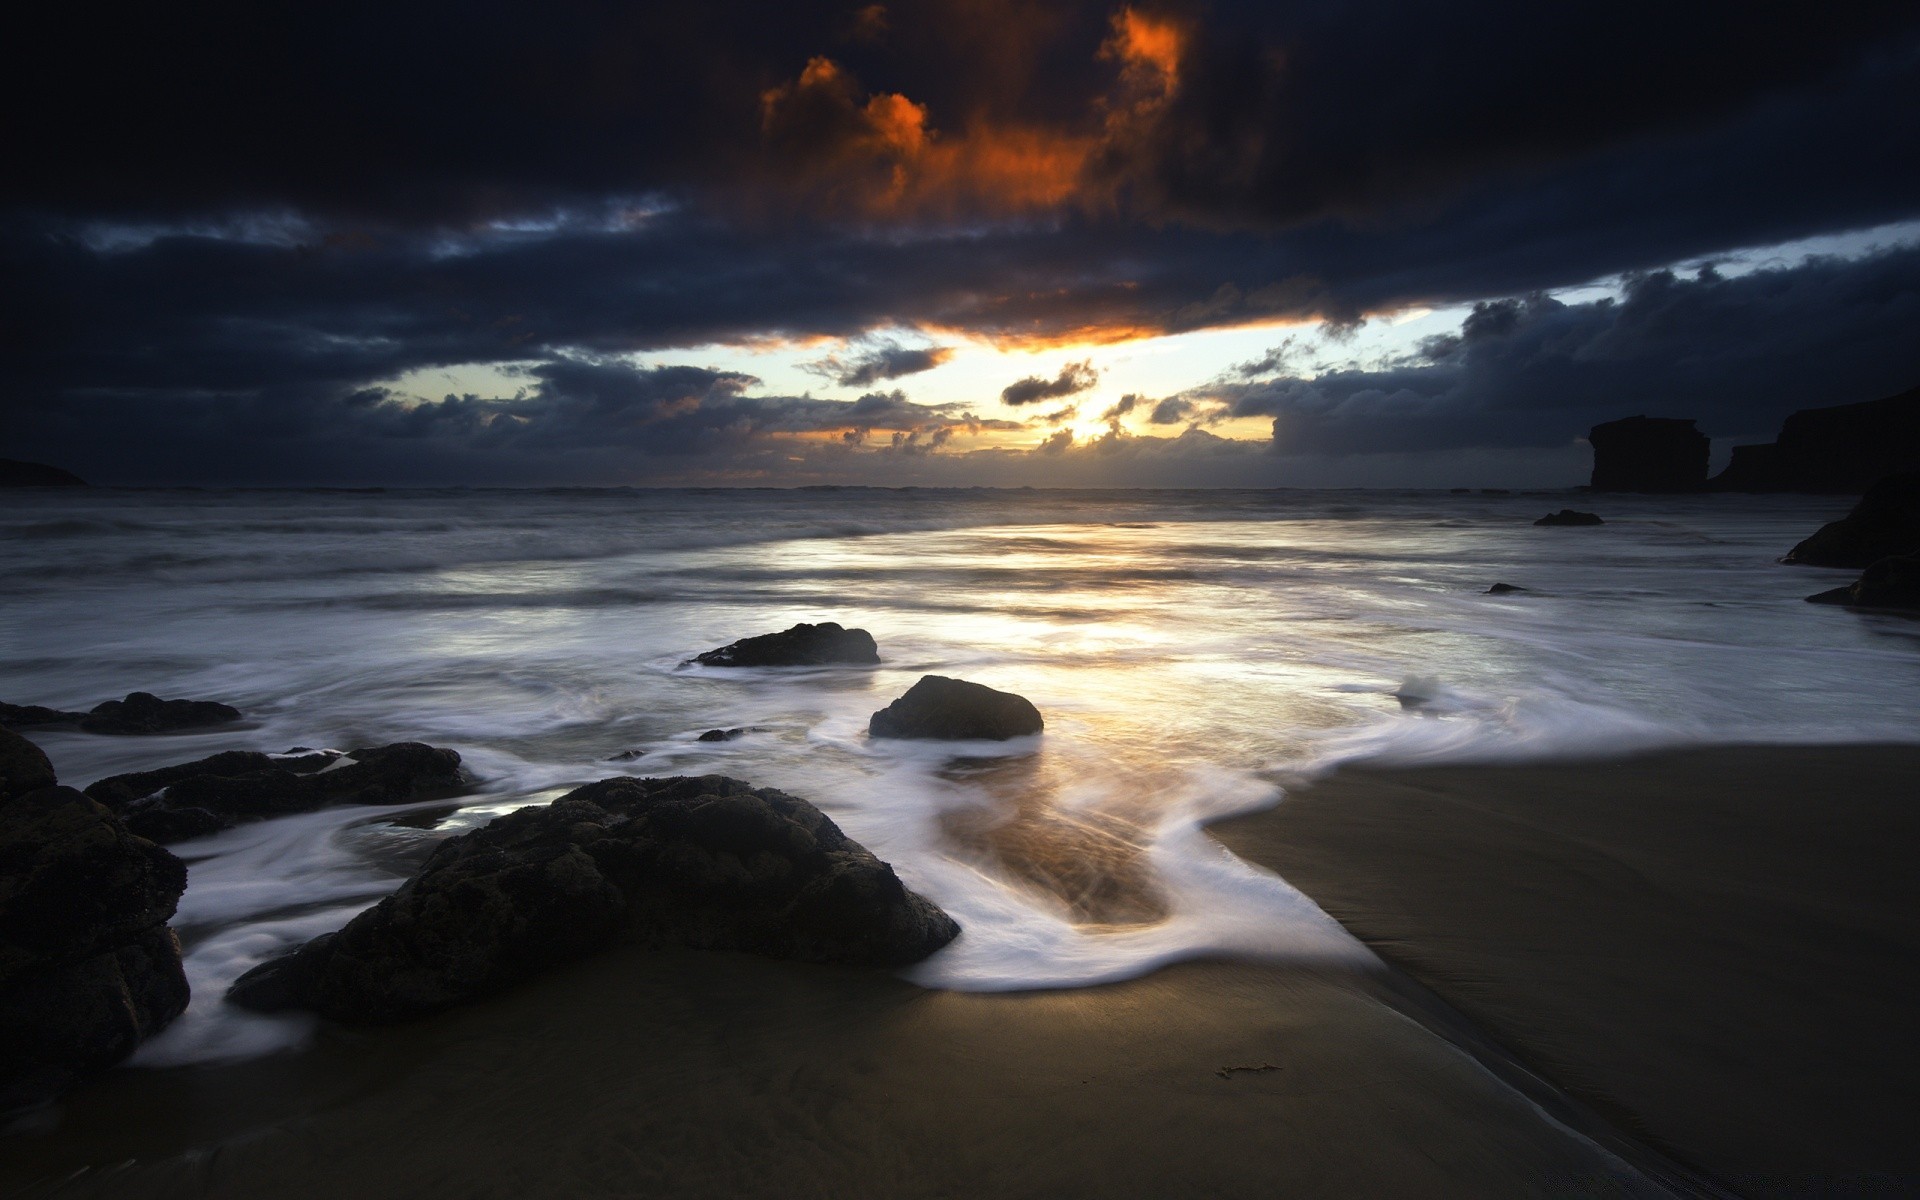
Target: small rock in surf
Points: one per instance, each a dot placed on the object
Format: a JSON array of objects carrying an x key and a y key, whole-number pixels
[
  {"x": 1568, "y": 516},
  {"x": 825, "y": 644},
  {"x": 955, "y": 710}
]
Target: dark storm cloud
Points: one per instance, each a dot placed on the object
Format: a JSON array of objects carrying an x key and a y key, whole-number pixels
[
  {"x": 882, "y": 361},
  {"x": 1074, "y": 377},
  {"x": 1735, "y": 353},
  {"x": 243, "y": 213},
  {"x": 1171, "y": 411}
]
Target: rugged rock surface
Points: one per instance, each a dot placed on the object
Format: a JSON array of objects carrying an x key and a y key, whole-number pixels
[
  {"x": 88, "y": 966},
  {"x": 14, "y": 473},
  {"x": 1892, "y": 583},
  {"x": 1648, "y": 454},
  {"x": 1568, "y": 516},
  {"x": 955, "y": 710},
  {"x": 210, "y": 794},
  {"x": 144, "y": 712},
  {"x": 23, "y": 767},
  {"x": 825, "y": 644},
  {"x": 708, "y": 862},
  {"x": 1841, "y": 449},
  {"x": 1885, "y": 523},
  {"x": 34, "y": 716}
]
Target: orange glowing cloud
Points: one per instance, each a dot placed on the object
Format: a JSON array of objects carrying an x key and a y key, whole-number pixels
[{"x": 881, "y": 156}]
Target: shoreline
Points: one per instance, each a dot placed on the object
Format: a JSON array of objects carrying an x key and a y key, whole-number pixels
[
  {"x": 1713, "y": 947},
  {"x": 1488, "y": 1059}
]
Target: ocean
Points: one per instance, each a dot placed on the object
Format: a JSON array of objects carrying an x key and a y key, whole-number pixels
[{"x": 1193, "y": 652}]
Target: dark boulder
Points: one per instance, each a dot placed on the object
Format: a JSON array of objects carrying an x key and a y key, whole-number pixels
[
  {"x": 1885, "y": 523},
  {"x": 144, "y": 712},
  {"x": 825, "y": 644},
  {"x": 1648, "y": 454},
  {"x": 1892, "y": 584},
  {"x": 14, "y": 473},
  {"x": 708, "y": 863},
  {"x": 34, "y": 716},
  {"x": 1568, "y": 516},
  {"x": 23, "y": 767},
  {"x": 1505, "y": 589},
  {"x": 721, "y": 735},
  {"x": 954, "y": 710},
  {"x": 1840, "y": 449},
  {"x": 88, "y": 965},
  {"x": 210, "y": 794}
]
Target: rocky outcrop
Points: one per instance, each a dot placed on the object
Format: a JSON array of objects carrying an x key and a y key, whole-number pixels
[
  {"x": 1892, "y": 584},
  {"x": 210, "y": 794},
  {"x": 35, "y": 716},
  {"x": 709, "y": 863},
  {"x": 954, "y": 710},
  {"x": 144, "y": 712},
  {"x": 88, "y": 965},
  {"x": 1568, "y": 516},
  {"x": 1885, "y": 523},
  {"x": 23, "y": 767},
  {"x": 1842, "y": 449},
  {"x": 14, "y": 473},
  {"x": 1648, "y": 454},
  {"x": 825, "y": 644},
  {"x": 1505, "y": 589}
]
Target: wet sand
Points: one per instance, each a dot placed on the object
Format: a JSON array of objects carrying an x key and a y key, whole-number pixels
[
  {"x": 720, "y": 1075},
  {"x": 1717, "y": 949}
]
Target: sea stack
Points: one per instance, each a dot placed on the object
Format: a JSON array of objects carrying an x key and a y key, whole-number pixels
[{"x": 1648, "y": 454}]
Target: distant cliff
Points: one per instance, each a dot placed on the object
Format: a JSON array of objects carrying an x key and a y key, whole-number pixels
[
  {"x": 1648, "y": 454},
  {"x": 26, "y": 474},
  {"x": 1842, "y": 449}
]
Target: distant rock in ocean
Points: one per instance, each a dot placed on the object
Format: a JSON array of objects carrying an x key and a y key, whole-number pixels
[
  {"x": 1884, "y": 523},
  {"x": 1568, "y": 516},
  {"x": 1648, "y": 454},
  {"x": 14, "y": 473},
  {"x": 1506, "y": 589},
  {"x": 825, "y": 644},
  {"x": 144, "y": 712},
  {"x": 1841, "y": 449},
  {"x": 207, "y": 795},
  {"x": 946, "y": 709},
  {"x": 88, "y": 965},
  {"x": 709, "y": 863}
]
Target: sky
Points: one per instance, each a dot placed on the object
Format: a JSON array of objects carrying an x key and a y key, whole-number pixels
[{"x": 983, "y": 243}]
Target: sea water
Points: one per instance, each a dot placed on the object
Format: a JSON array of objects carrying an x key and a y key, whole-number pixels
[{"x": 1192, "y": 653}]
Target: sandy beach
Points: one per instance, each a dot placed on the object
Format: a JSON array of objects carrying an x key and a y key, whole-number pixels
[
  {"x": 1620, "y": 929},
  {"x": 1718, "y": 949}
]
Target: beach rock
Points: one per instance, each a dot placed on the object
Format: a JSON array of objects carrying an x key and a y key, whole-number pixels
[
  {"x": 144, "y": 712},
  {"x": 210, "y": 794},
  {"x": 1568, "y": 516},
  {"x": 955, "y": 710},
  {"x": 1839, "y": 449},
  {"x": 720, "y": 735},
  {"x": 1892, "y": 583},
  {"x": 825, "y": 644},
  {"x": 14, "y": 473},
  {"x": 1648, "y": 454},
  {"x": 1885, "y": 523},
  {"x": 1505, "y": 589},
  {"x": 88, "y": 965},
  {"x": 34, "y": 716},
  {"x": 23, "y": 767},
  {"x": 708, "y": 863},
  {"x": 627, "y": 756}
]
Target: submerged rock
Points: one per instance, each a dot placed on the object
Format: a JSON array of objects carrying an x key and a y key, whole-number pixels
[
  {"x": 210, "y": 794},
  {"x": 721, "y": 735},
  {"x": 1505, "y": 589},
  {"x": 1885, "y": 523},
  {"x": 1892, "y": 584},
  {"x": 34, "y": 716},
  {"x": 955, "y": 710},
  {"x": 144, "y": 712},
  {"x": 88, "y": 965},
  {"x": 709, "y": 863},
  {"x": 1568, "y": 516},
  {"x": 825, "y": 644},
  {"x": 23, "y": 767}
]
